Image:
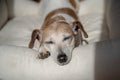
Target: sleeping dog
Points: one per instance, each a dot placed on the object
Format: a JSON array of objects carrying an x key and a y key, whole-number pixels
[{"x": 61, "y": 30}]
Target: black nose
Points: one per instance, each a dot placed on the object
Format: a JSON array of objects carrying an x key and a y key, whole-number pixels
[{"x": 62, "y": 58}]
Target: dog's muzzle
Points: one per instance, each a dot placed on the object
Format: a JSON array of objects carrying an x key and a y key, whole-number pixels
[{"x": 64, "y": 56}]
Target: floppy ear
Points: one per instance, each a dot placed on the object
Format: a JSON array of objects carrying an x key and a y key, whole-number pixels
[
  {"x": 35, "y": 35},
  {"x": 77, "y": 26}
]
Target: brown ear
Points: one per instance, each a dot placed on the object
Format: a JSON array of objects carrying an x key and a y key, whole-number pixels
[
  {"x": 78, "y": 26},
  {"x": 73, "y": 3},
  {"x": 35, "y": 35}
]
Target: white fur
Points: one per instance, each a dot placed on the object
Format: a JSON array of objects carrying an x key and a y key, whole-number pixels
[{"x": 46, "y": 7}]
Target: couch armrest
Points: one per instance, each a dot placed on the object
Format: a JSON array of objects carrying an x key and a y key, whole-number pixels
[
  {"x": 99, "y": 61},
  {"x": 113, "y": 18},
  {"x": 3, "y": 13}
]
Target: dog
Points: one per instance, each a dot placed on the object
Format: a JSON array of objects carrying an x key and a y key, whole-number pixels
[{"x": 61, "y": 30}]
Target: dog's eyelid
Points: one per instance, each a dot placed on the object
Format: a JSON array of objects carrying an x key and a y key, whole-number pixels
[
  {"x": 49, "y": 42},
  {"x": 66, "y": 38}
]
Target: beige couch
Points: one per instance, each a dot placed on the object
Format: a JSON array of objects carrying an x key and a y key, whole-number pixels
[{"x": 99, "y": 60}]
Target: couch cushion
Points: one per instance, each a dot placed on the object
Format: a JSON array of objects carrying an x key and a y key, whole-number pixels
[
  {"x": 3, "y": 13},
  {"x": 92, "y": 16},
  {"x": 18, "y": 31},
  {"x": 96, "y": 61},
  {"x": 91, "y": 6},
  {"x": 22, "y": 8},
  {"x": 95, "y": 27}
]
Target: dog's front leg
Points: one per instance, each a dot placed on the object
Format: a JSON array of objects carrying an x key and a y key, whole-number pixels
[{"x": 43, "y": 53}]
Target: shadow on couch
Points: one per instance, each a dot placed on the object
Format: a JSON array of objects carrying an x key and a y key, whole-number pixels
[{"x": 107, "y": 55}]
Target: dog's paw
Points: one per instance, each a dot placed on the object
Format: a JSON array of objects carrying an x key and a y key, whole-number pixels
[{"x": 44, "y": 55}]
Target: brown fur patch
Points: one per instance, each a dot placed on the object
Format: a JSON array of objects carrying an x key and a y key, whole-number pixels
[
  {"x": 57, "y": 18},
  {"x": 34, "y": 36},
  {"x": 68, "y": 11}
]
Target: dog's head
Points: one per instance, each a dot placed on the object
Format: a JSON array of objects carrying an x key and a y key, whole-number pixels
[{"x": 58, "y": 38}]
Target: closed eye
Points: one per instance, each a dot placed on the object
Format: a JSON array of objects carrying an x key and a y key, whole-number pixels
[
  {"x": 67, "y": 38},
  {"x": 49, "y": 42}
]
